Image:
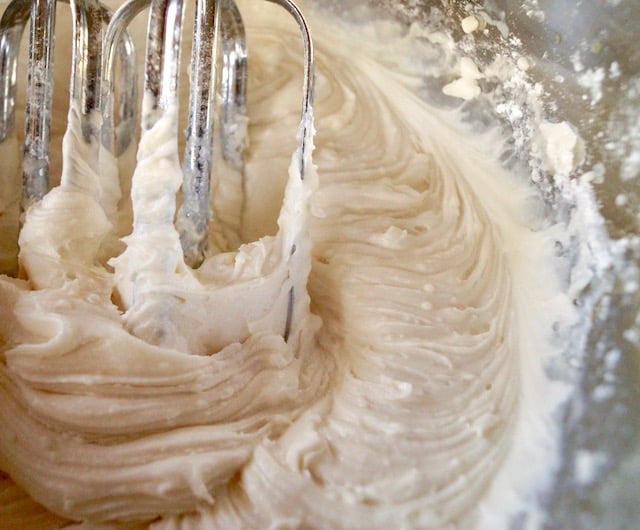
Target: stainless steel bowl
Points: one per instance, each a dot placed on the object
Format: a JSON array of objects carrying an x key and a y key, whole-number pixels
[{"x": 585, "y": 57}]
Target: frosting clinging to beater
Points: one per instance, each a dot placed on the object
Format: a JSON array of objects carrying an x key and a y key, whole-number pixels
[{"x": 125, "y": 396}]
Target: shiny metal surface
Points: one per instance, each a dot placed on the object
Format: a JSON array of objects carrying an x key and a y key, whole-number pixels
[
  {"x": 580, "y": 42},
  {"x": 219, "y": 30},
  {"x": 219, "y": 57},
  {"x": 234, "y": 79},
  {"x": 90, "y": 18},
  {"x": 221, "y": 18},
  {"x": 585, "y": 58},
  {"x": 162, "y": 59},
  {"x": 117, "y": 42},
  {"x": 309, "y": 77},
  {"x": 12, "y": 26},
  {"x": 86, "y": 62},
  {"x": 35, "y": 182},
  {"x": 601, "y": 37}
]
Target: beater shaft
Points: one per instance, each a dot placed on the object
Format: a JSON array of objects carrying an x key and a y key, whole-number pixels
[
  {"x": 215, "y": 21},
  {"x": 39, "y": 101},
  {"x": 98, "y": 39},
  {"x": 116, "y": 37},
  {"x": 12, "y": 25},
  {"x": 90, "y": 18}
]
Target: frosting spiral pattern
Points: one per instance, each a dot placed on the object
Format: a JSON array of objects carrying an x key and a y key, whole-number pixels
[{"x": 412, "y": 385}]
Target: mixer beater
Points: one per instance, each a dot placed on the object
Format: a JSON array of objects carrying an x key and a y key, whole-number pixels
[
  {"x": 102, "y": 124},
  {"x": 90, "y": 19},
  {"x": 99, "y": 39}
]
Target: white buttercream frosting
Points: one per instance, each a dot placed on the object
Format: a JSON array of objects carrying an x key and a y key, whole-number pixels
[{"x": 410, "y": 391}]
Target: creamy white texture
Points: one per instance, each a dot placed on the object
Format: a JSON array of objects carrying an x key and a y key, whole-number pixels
[{"x": 137, "y": 390}]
